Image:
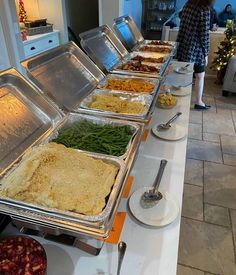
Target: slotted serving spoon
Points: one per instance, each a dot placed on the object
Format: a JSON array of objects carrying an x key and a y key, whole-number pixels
[
  {"x": 166, "y": 126},
  {"x": 153, "y": 196}
]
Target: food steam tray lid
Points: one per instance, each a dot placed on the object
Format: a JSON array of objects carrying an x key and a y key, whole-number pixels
[
  {"x": 127, "y": 32},
  {"x": 25, "y": 117},
  {"x": 65, "y": 74},
  {"x": 103, "y": 47}
]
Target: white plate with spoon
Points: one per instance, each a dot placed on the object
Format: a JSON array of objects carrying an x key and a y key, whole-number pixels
[
  {"x": 151, "y": 207},
  {"x": 169, "y": 131},
  {"x": 183, "y": 70}
]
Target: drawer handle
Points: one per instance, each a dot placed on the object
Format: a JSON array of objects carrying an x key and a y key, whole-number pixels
[
  {"x": 50, "y": 41},
  {"x": 32, "y": 48}
]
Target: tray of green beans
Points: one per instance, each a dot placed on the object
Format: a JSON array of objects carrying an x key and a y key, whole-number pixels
[{"x": 97, "y": 137}]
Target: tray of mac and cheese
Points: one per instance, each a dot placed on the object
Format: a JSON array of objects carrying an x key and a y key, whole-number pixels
[{"x": 45, "y": 179}]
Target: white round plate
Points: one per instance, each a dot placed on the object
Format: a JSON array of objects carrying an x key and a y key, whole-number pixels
[
  {"x": 175, "y": 132},
  {"x": 180, "y": 92},
  {"x": 179, "y": 70},
  {"x": 161, "y": 214}
]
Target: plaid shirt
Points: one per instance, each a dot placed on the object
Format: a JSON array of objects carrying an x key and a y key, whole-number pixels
[{"x": 193, "y": 36}]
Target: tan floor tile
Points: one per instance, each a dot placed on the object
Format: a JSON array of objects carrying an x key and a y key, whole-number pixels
[
  {"x": 206, "y": 247},
  {"x": 229, "y": 159},
  {"x": 227, "y": 102},
  {"x": 233, "y": 219},
  {"x": 219, "y": 123},
  {"x": 211, "y": 137},
  {"x": 203, "y": 150},
  {"x": 194, "y": 172},
  {"x": 228, "y": 144},
  {"x": 195, "y": 117},
  {"x": 183, "y": 270},
  {"x": 219, "y": 185},
  {"x": 195, "y": 131},
  {"x": 216, "y": 214},
  {"x": 234, "y": 115},
  {"x": 192, "y": 202}
]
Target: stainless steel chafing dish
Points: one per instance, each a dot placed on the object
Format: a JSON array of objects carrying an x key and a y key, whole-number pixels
[
  {"x": 130, "y": 36},
  {"x": 66, "y": 75},
  {"x": 109, "y": 54},
  {"x": 28, "y": 119}
]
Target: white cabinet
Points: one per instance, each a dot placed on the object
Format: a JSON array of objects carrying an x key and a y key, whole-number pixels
[{"x": 40, "y": 43}]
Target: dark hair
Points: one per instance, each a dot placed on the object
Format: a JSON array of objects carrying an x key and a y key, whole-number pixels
[
  {"x": 229, "y": 5},
  {"x": 206, "y": 3}
]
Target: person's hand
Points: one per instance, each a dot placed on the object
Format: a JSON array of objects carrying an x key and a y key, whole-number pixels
[
  {"x": 214, "y": 28},
  {"x": 206, "y": 60}
]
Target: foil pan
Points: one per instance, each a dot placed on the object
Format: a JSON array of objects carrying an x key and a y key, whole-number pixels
[
  {"x": 145, "y": 99},
  {"x": 74, "y": 117},
  {"x": 171, "y": 43},
  {"x": 103, "y": 83},
  {"x": 118, "y": 70},
  {"x": 34, "y": 122},
  {"x": 29, "y": 210}
]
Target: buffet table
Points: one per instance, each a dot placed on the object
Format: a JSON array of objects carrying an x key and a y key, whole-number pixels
[{"x": 149, "y": 250}]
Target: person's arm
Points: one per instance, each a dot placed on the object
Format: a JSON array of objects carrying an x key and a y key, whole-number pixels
[{"x": 204, "y": 27}]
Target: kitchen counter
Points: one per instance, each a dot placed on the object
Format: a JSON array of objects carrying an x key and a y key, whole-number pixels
[{"x": 149, "y": 250}]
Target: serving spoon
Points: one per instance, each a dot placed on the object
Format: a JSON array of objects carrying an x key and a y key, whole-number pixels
[
  {"x": 153, "y": 196},
  {"x": 166, "y": 126}
]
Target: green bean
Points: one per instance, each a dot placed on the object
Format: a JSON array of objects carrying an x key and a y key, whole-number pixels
[{"x": 89, "y": 136}]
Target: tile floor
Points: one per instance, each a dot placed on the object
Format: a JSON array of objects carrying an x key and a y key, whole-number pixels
[{"x": 208, "y": 228}]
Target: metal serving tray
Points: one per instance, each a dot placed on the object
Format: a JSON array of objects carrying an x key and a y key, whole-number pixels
[
  {"x": 103, "y": 83},
  {"x": 130, "y": 36},
  {"x": 132, "y": 145},
  {"x": 66, "y": 220},
  {"x": 146, "y": 99},
  {"x": 25, "y": 117},
  {"x": 107, "y": 52},
  {"x": 103, "y": 47},
  {"x": 65, "y": 74},
  {"x": 28, "y": 119}
]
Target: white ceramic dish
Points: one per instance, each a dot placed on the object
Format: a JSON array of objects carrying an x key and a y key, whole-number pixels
[
  {"x": 180, "y": 92},
  {"x": 162, "y": 214},
  {"x": 175, "y": 132},
  {"x": 180, "y": 70}
]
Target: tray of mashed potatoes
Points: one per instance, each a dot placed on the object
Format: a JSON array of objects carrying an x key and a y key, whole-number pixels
[{"x": 52, "y": 179}]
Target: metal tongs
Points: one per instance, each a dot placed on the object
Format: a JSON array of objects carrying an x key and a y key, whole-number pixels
[
  {"x": 153, "y": 196},
  {"x": 184, "y": 68},
  {"x": 167, "y": 125}
]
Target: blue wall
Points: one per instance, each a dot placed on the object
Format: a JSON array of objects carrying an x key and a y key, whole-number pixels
[{"x": 219, "y": 4}]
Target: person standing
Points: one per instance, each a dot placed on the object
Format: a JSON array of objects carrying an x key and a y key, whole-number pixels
[
  {"x": 225, "y": 15},
  {"x": 213, "y": 19},
  {"x": 193, "y": 38}
]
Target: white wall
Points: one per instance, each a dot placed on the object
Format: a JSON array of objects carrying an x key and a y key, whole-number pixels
[
  {"x": 108, "y": 10},
  {"x": 53, "y": 10},
  {"x": 134, "y": 9}
]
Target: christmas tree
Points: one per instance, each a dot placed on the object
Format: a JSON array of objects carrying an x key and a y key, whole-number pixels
[
  {"x": 225, "y": 51},
  {"x": 22, "y": 12}
]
